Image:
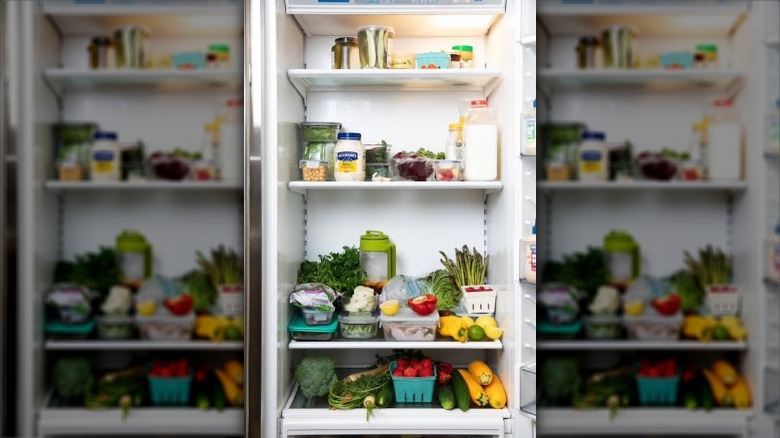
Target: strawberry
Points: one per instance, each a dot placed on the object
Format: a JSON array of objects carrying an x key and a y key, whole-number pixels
[
  {"x": 425, "y": 372},
  {"x": 427, "y": 364},
  {"x": 399, "y": 372},
  {"x": 402, "y": 363},
  {"x": 410, "y": 372}
]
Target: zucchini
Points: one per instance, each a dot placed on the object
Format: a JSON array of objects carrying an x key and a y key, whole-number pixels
[
  {"x": 461, "y": 390},
  {"x": 446, "y": 397},
  {"x": 384, "y": 397},
  {"x": 706, "y": 397},
  {"x": 202, "y": 400},
  {"x": 218, "y": 395}
]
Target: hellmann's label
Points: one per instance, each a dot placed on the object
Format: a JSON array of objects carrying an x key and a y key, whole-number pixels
[
  {"x": 103, "y": 162},
  {"x": 590, "y": 162},
  {"x": 347, "y": 162}
]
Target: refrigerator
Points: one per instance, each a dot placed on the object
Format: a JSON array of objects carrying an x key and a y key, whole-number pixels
[
  {"x": 280, "y": 65},
  {"x": 654, "y": 108},
  {"x": 293, "y": 220}
]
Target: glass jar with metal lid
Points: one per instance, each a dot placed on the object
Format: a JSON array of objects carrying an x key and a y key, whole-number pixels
[{"x": 345, "y": 53}]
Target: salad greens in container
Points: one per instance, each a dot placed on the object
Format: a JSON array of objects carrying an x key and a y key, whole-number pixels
[{"x": 324, "y": 132}]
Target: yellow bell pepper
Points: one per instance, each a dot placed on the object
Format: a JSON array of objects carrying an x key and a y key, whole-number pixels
[{"x": 453, "y": 326}]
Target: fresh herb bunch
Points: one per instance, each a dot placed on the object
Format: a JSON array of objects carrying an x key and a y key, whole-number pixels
[
  {"x": 468, "y": 268},
  {"x": 712, "y": 267},
  {"x": 585, "y": 271},
  {"x": 341, "y": 271},
  {"x": 97, "y": 271},
  {"x": 430, "y": 154},
  {"x": 224, "y": 267},
  {"x": 359, "y": 389}
]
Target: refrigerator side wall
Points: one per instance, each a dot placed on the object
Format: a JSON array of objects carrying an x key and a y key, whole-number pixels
[{"x": 37, "y": 214}]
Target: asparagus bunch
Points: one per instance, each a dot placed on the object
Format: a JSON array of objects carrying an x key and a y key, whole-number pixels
[
  {"x": 468, "y": 268},
  {"x": 712, "y": 267},
  {"x": 224, "y": 267}
]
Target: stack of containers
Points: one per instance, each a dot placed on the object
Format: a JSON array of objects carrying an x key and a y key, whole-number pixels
[
  {"x": 377, "y": 160},
  {"x": 319, "y": 141}
]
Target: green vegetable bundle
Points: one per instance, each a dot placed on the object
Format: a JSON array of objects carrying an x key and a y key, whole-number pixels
[
  {"x": 340, "y": 271},
  {"x": 712, "y": 267},
  {"x": 97, "y": 271},
  {"x": 468, "y": 268},
  {"x": 224, "y": 266},
  {"x": 691, "y": 293},
  {"x": 72, "y": 377},
  {"x": 560, "y": 376},
  {"x": 315, "y": 376},
  {"x": 443, "y": 285},
  {"x": 198, "y": 283},
  {"x": 584, "y": 271}
]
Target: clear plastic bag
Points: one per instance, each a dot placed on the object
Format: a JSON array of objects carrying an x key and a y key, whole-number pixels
[
  {"x": 412, "y": 167},
  {"x": 403, "y": 287}
]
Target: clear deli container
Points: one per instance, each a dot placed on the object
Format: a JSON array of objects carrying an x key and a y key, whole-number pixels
[
  {"x": 447, "y": 170},
  {"x": 653, "y": 327},
  {"x": 358, "y": 326},
  {"x": 409, "y": 326},
  {"x": 324, "y": 132},
  {"x": 300, "y": 331},
  {"x": 314, "y": 316},
  {"x": 314, "y": 170},
  {"x": 115, "y": 326},
  {"x": 382, "y": 170},
  {"x": 165, "y": 327}
]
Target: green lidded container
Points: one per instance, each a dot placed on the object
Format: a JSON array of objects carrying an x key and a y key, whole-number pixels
[
  {"x": 135, "y": 257},
  {"x": 377, "y": 258},
  {"x": 622, "y": 253}
]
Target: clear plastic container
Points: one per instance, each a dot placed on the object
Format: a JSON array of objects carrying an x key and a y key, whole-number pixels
[
  {"x": 447, "y": 170},
  {"x": 382, "y": 170},
  {"x": 409, "y": 326},
  {"x": 652, "y": 327},
  {"x": 402, "y": 60},
  {"x": 358, "y": 326},
  {"x": 314, "y": 170},
  {"x": 314, "y": 316},
  {"x": 115, "y": 326},
  {"x": 603, "y": 326},
  {"x": 162, "y": 327},
  {"x": 323, "y": 132}
]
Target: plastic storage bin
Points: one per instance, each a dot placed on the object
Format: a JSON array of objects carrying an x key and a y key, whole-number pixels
[
  {"x": 300, "y": 331},
  {"x": 441, "y": 59},
  {"x": 676, "y": 60},
  {"x": 115, "y": 326},
  {"x": 409, "y": 326},
  {"x": 162, "y": 327},
  {"x": 447, "y": 170},
  {"x": 314, "y": 316},
  {"x": 546, "y": 330},
  {"x": 647, "y": 328},
  {"x": 170, "y": 391},
  {"x": 413, "y": 389},
  {"x": 657, "y": 391},
  {"x": 188, "y": 60},
  {"x": 358, "y": 326},
  {"x": 323, "y": 132},
  {"x": 723, "y": 299},
  {"x": 55, "y": 329},
  {"x": 479, "y": 299},
  {"x": 372, "y": 169},
  {"x": 603, "y": 326}
]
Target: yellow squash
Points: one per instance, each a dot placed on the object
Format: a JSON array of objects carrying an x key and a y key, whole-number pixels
[
  {"x": 719, "y": 391},
  {"x": 476, "y": 392},
  {"x": 725, "y": 371},
  {"x": 235, "y": 370},
  {"x": 233, "y": 394},
  {"x": 481, "y": 371},
  {"x": 740, "y": 394},
  {"x": 496, "y": 393}
]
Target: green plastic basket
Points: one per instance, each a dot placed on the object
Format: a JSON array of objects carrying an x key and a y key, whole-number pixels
[
  {"x": 413, "y": 389},
  {"x": 657, "y": 391},
  {"x": 170, "y": 391}
]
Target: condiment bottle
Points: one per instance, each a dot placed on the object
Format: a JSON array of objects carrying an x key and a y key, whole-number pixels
[
  {"x": 593, "y": 157},
  {"x": 135, "y": 258},
  {"x": 622, "y": 253},
  {"x": 104, "y": 157},
  {"x": 377, "y": 258},
  {"x": 453, "y": 149},
  {"x": 350, "y": 158},
  {"x": 480, "y": 139}
]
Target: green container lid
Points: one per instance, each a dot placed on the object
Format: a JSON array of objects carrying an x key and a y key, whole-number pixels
[
  {"x": 131, "y": 240},
  {"x": 221, "y": 48},
  {"x": 58, "y": 328},
  {"x": 548, "y": 328},
  {"x": 619, "y": 241},
  {"x": 706, "y": 47},
  {"x": 374, "y": 241},
  {"x": 297, "y": 324},
  {"x": 463, "y": 48}
]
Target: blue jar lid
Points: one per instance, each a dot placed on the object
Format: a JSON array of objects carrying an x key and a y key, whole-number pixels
[
  {"x": 349, "y": 136},
  {"x": 105, "y": 135},
  {"x": 593, "y": 135},
  {"x": 534, "y": 103}
]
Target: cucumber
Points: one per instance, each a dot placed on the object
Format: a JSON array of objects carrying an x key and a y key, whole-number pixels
[
  {"x": 446, "y": 397},
  {"x": 202, "y": 400},
  {"x": 705, "y": 392},
  {"x": 461, "y": 390},
  {"x": 690, "y": 401},
  {"x": 218, "y": 395},
  {"x": 384, "y": 397}
]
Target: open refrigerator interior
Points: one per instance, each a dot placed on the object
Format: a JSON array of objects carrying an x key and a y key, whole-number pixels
[
  {"x": 408, "y": 109},
  {"x": 130, "y": 164},
  {"x": 667, "y": 188}
]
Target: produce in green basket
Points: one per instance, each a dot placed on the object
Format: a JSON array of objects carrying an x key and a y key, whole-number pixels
[{"x": 315, "y": 375}]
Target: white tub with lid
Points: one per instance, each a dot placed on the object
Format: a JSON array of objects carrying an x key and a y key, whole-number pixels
[{"x": 350, "y": 156}]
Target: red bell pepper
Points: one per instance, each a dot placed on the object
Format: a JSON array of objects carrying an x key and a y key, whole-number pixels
[
  {"x": 445, "y": 373},
  {"x": 667, "y": 305},
  {"x": 180, "y": 304},
  {"x": 424, "y": 304}
]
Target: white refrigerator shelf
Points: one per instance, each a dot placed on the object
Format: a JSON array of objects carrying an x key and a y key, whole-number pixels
[
  {"x": 629, "y": 345},
  {"x": 642, "y": 421},
  {"x": 380, "y": 344},
  {"x": 425, "y": 419},
  {"x": 142, "y": 345}
]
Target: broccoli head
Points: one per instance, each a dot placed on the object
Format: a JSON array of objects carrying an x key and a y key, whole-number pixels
[{"x": 315, "y": 375}]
